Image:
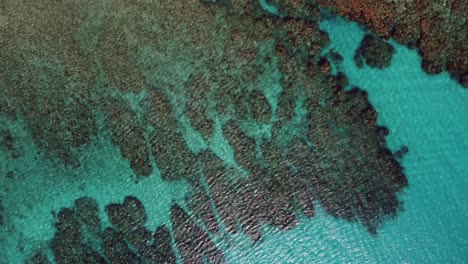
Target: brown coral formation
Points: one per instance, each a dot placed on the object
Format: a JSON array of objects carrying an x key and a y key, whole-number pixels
[
  {"x": 129, "y": 134},
  {"x": 80, "y": 237},
  {"x": 437, "y": 28},
  {"x": 45, "y": 77},
  {"x": 172, "y": 155}
]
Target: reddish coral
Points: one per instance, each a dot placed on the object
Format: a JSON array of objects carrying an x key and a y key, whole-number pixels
[{"x": 436, "y": 28}]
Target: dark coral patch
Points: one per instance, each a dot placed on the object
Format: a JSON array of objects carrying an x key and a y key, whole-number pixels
[
  {"x": 8, "y": 144},
  {"x": 375, "y": 52},
  {"x": 119, "y": 217},
  {"x": 66, "y": 244},
  {"x": 127, "y": 216},
  {"x": 140, "y": 239},
  {"x": 260, "y": 107},
  {"x": 197, "y": 105},
  {"x": 87, "y": 211},
  {"x": 193, "y": 243},
  {"x": 128, "y": 133},
  {"x": 37, "y": 258},
  {"x": 223, "y": 195},
  {"x": 1, "y": 213},
  {"x": 80, "y": 239},
  {"x": 243, "y": 145},
  {"x": 135, "y": 208},
  {"x": 354, "y": 165},
  {"x": 334, "y": 57},
  {"x": 342, "y": 80},
  {"x": 116, "y": 248},
  {"x": 164, "y": 253},
  {"x": 199, "y": 202},
  {"x": 92, "y": 256},
  {"x": 169, "y": 149}
]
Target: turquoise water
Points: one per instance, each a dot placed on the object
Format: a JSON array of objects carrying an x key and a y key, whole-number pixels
[
  {"x": 429, "y": 114},
  {"x": 426, "y": 113}
]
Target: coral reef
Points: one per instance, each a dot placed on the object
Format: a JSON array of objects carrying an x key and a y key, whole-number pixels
[
  {"x": 437, "y": 28},
  {"x": 80, "y": 237},
  {"x": 226, "y": 65},
  {"x": 374, "y": 52}
]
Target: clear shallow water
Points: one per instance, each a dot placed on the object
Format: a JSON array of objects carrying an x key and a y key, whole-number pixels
[
  {"x": 425, "y": 113},
  {"x": 429, "y": 115}
]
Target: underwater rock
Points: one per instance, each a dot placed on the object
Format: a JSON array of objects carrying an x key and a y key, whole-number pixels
[
  {"x": 119, "y": 217},
  {"x": 364, "y": 184},
  {"x": 382, "y": 133},
  {"x": 431, "y": 67},
  {"x": 48, "y": 81},
  {"x": 334, "y": 57},
  {"x": 8, "y": 144},
  {"x": 222, "y": 193},
  {"x": 285, "y": 109},
  {"x": 297, "y": 9},
  {"x": 1, "y": 212},
  {"x": 243, "y": 145},
  {"x": 375, "y": 52},
  {"x": 324, "y": 65},
  {"x": 232, "y": 102},
  {"x": 464, "y": 80},
  {"x": 7, "y": 140},
  {"x": 117, "y": 56},
  {"x": 234, "y": 199},
  {"x": 79, "y": 239},
  {"x": 305, "y": 199}
]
